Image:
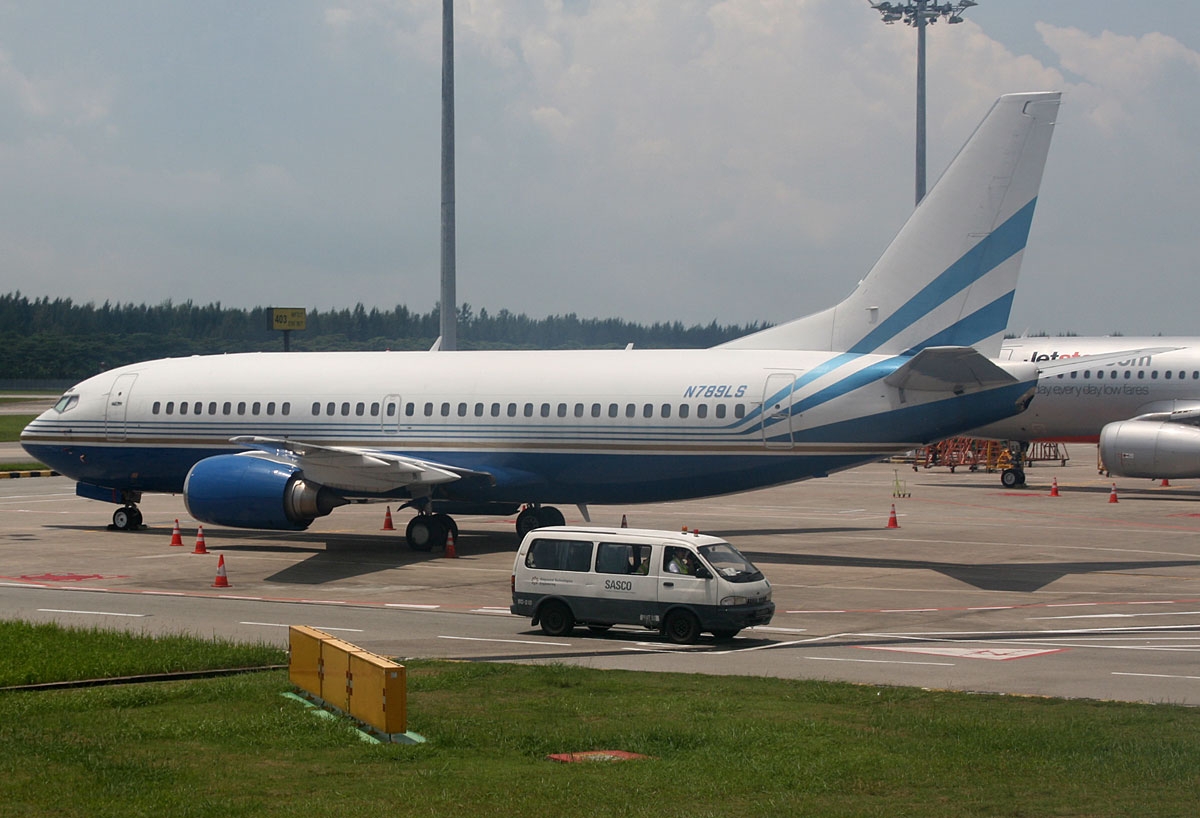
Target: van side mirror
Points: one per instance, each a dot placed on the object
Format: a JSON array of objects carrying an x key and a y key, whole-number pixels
[{"x": 703, "y": 573}]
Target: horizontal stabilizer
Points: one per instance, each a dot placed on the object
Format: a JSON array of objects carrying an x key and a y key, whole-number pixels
[
  {"x": 950, "y": 369},
  {"x": 351, "y": 469}
]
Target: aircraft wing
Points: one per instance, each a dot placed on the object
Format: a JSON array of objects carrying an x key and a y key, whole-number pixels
[
  {"x": 1177, "y": 411},
  {"x": 951, "y": 369},
  {"x": 349, "y": 469}
]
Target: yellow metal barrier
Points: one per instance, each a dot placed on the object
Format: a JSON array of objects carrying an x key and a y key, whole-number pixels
[{"x": 369, "y": 688}]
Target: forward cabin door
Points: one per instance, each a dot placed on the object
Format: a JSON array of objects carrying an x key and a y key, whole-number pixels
[
  {"x": 118, "y": 407},
  {"x": 777, "y": 410}
]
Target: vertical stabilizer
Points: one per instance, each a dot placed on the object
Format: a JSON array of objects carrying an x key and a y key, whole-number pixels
[{"x": 949, "y": 276}]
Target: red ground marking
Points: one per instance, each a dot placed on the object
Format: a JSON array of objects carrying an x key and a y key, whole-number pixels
[{"x": 64, "y": 577}]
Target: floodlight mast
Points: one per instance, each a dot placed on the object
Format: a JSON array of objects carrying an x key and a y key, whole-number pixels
[
  {"x": 919, "y": 14},
  {"x": 448, "y": 308}
]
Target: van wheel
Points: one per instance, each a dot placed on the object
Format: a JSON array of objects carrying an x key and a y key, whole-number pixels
[
  {"x": 728, "y": 633},
  {"x": 556, "y": 619},
  {"x": 599, "y": 628},
  {"x": 681, "y": 627}
]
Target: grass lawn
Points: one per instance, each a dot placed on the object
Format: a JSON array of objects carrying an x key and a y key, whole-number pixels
[
  {"x": 719, "y": 746},
  {"x": 11, "y": 426}
]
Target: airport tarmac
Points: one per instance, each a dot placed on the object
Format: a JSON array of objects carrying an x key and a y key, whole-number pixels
[{"x": 978, "y": 589}]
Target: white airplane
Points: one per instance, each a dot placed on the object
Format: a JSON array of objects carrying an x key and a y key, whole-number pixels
[
  {"x": 275, "y": 440},
  {"x": 1143, "y": 409}
]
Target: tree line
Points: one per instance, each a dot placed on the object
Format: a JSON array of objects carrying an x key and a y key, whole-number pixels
[{"x": 57, "y": 338}]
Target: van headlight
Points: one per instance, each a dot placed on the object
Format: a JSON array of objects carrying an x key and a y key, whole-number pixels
[{"x": 731, "y": 601}]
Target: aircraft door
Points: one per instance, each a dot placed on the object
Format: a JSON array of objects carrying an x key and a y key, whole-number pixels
[
  {"x": 777, "y": 410},
  {"x": 389, "y": 415},
  {"x": 117, "y": 408}
]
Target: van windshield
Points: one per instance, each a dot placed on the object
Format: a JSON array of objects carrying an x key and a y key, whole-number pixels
[{"x": 729, "y": 563}]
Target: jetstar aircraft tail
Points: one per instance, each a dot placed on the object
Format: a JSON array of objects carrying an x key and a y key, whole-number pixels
[{"x": 949, "y": 277}]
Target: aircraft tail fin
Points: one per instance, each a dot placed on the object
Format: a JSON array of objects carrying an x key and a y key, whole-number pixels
[{"x": 949, "y": 276}]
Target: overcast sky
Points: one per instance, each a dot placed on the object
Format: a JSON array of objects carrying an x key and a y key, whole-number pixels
[{"x": 739, "y": 161}]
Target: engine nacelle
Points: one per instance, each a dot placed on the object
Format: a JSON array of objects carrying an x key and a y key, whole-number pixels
[
  {"x": 245, "y": 491},
  {"x": 1150, "y": 448}
]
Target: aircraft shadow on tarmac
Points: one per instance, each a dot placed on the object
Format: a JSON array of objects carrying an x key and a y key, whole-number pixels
[
  {"x": 333, "y": 556},
  {"x": 1018, "y": 577},
  {"x": 345, "y": 556}
]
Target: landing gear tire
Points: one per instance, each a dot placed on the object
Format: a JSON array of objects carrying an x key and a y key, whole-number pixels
[
  {"x": 1011, "y": 478},
  {"x": 425, "y": 532},
  {"x": 681, "y": 627},
  {"x": 127, "y": 518},
  {"x": 538, "y": 517},
  {"x": 556, "y": 619},
  {"x": 447, "y": 523}
]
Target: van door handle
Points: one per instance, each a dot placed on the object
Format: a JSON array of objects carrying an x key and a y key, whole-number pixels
[{"x": 668, "y": 584}]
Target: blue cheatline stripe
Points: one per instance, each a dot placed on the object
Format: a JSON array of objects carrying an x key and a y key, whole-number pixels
[
  {"x": 1001, "y": 244},
  {"x": 983, "y": 323}
]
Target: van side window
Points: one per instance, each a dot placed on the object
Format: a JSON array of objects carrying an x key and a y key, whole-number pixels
[
  {"x": 559, "y": 555},
  {"x": 622, "y": 558}
]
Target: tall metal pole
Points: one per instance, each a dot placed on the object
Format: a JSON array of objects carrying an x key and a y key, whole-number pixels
[
  {"x": 920, "y": 187},
  {"x": 919, "y": 14},
  {"x": 448, "y": 310}
]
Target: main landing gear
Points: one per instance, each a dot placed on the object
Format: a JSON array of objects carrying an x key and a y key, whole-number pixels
[
  {"x": 428, "y": 530},
  {"x": 127, "y": 518}
]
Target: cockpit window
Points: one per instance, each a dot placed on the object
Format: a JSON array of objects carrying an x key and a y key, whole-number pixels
[{"x": 66, "y": 403}]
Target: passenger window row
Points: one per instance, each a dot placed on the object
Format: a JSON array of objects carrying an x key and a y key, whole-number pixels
[
  {"x": 224, "y": 408},
  {"x": 1111, "y": 374},
  {"x": 682, "y": 411},
  {"x": 463, "y": 409}
]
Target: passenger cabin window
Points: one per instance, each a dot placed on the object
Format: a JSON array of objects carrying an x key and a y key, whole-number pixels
[
  {"x": 330, "y": 408},
  {"x": 170, "y": 407},
  {"x": 270, "y": 407},
  {"x": 226, "y": 408},
  {"x": 559, "y": 555},
  {"x": 256, "y": 408},
  {"x": 183, "y": 407},
  {"x": 360, "y": 409},
  {"x": 316, "y": 409},
  {"x": 739, "y": 410},
  {"x": 241, "y": 407},
  {"x": 153, "y": 409},
  {"x": 212, "y": 407},
  {"x": 286, "y": 408}
]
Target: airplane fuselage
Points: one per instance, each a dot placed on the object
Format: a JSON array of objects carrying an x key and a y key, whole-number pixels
[
  {"x": 561, "y": 427},
  {"x": 1074, "y": 407}
]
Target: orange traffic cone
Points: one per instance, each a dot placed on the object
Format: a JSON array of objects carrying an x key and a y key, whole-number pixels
[
  {"x": 387, "y": 521},
  {"x": 624, "y": 522},
  {"x": 1166, "y": 483},
  {"x": 450, "y": 550},
  {"x": 1112, "y": 495},
  {"x": 221, "y": 581},
  {"x": 1054, "y": 488},
  {"x": 176, "y": 537},
  {"x": 892, "y": 521},
  {"x": 200, "y": 549}
]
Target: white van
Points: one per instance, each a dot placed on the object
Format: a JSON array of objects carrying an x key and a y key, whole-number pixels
[{"x": 682, "y": 584}]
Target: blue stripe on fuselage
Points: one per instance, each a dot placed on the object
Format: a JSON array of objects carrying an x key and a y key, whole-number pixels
[{"x": 999, "y": 245}]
